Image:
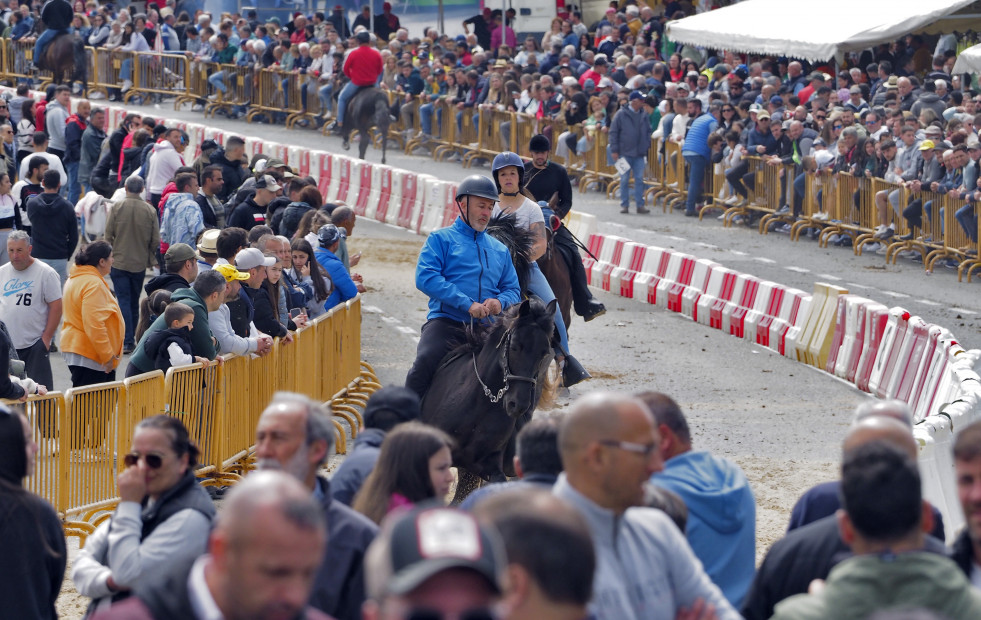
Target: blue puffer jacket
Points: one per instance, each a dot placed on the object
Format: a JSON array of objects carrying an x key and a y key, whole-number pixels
[
  {"x": 459, "y": 266},
  {"x": 344, "y": 287}
]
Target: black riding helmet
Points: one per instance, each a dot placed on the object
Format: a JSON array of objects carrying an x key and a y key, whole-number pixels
[
  {"x": 505, "y": 159},
  {"x": 475, "y": 185}
]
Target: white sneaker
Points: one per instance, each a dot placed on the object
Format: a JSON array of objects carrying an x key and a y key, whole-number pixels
[
  {"x": 883, "y": 249},
  {"x": 872, "y": 247},
  {"x": 127, "y": 84},
  {"x": 878, "y": 230},
  {"x": 821, "y": 215},
  {"x": 731, "y": 200}
]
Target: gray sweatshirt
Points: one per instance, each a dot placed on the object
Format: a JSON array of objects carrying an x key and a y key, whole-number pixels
[
  {"x": 55, "y": 118},
  {"x": 645, "y": 569},
  {"x": 630, "y": 133}
]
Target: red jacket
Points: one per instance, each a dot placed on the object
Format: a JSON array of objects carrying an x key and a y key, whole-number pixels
[{"x": 363, "y": 65}]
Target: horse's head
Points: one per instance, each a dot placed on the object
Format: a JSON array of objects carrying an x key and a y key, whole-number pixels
[{"x": 527, "y": 352}]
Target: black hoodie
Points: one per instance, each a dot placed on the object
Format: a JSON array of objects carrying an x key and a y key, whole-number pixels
[
  {"x": 58, "y": 236},
  {"x": 234, "y": 173}
]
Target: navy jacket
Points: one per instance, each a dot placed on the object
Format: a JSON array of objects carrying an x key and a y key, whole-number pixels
[{"x": 349, "y": 477}]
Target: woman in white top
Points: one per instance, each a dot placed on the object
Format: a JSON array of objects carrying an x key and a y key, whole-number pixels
[
  {"x": 7, "y": 215},
  {"x": 508, "y": 170}
]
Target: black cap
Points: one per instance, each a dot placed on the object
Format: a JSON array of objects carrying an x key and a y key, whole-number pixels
[
  {"x": 428, "y": 540},
  {"x": 539, "y": 144},
  {"x": 402, "y": 402},
  {"x": 209, "y": 145},
  {"x": 363, "y": 37}
]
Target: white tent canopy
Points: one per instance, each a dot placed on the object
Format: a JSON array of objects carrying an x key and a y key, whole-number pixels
[
  {"x": 814, "y": 30},
  {"x": 969, "y": 61}
]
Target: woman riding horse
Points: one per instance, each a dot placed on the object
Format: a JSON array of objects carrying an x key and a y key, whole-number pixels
[
  {"x": 466, "y": 274},
  {"x": 508, "y": 171}
]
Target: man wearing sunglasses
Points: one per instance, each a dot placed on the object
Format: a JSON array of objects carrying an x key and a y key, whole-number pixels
[
  {"x": 645, "y": 569},
  {"x": 435, "y": 563}
]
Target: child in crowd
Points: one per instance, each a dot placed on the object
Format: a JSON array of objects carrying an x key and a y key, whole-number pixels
[{"x": 172, "y": 346}]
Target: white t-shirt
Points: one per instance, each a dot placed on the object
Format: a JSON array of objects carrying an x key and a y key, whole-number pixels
[
  {"x": 527, "y": 214},
  {"x": 24, "y": 299}
]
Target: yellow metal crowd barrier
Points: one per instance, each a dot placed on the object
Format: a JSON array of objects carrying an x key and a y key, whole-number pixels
[{"x": 84, "y": 433}]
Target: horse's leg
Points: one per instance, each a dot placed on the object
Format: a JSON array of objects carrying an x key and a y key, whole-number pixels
[
  {"x": 384, "y": 133},
  {"x": 466, "y": 484},
  {"x": 363, "y": 142}
]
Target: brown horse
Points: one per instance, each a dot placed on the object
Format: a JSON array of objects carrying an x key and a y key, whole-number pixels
[
  {"x": 66, "y": 59},
  {"x": 556, "y": 271}
]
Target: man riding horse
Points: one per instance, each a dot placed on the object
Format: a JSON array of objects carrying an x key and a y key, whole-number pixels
[
  {"x": 545, "y": 179},
  {"x": 467, "y": 275},
  {"x": 362, "y": 66},
  {"x": 57, "y": 16}
]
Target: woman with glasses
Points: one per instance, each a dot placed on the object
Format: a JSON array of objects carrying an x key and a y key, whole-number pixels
[
  {"x": 729, "y": 117},
  {"x": 162, "y": 520}
]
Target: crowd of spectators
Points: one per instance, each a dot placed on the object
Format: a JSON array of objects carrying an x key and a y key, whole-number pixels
[{"x": 616, "y": 514}]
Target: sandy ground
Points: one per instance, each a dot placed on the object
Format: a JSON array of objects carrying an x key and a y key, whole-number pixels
[{"x": 778, "y": 420}]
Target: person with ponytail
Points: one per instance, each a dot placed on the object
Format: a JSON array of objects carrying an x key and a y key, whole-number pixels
[
  {"x": 32, "y": 543},
  {"x": 162, "y": 521}
]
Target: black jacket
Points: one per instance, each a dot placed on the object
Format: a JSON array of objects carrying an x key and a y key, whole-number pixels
[
  {"x": 158, "y": 343},
  {"x": 356, "y": 466},
  {"x": 168, "y": 281},
  {"x": 54, "y": 226},
  {"x": 33, "y": 545},
  {"x": 339, "y": 586},
  {"x": 212, "y": 219},
  {"x": 247, "y": 215},
  {"x": 234, "y": 173},
  {"x": 266, "y": 316},
  {"x": 291, "y": 218},
  {"x": 962, "y": 553}
]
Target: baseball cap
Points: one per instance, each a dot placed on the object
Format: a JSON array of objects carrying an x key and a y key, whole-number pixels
[
  {"x": 179, "y": 252},
  {"x": 762, "y": 114},
  {"x": 209, "y": 241},
  {"x": 776, "y": 100},
  {"x": 250, "y": 258},
  {"x": 230, "y": 272},
  {"x": 684, "y": 87},
  {"x": 636, "y": 95},
  {"x": 927, "y": 145},
  {"x": 423, "y": 542},
  {"x": 328, "y": 235},
  {"x": 267, "y": 182},
  {"x": 274, "y": 162},
  {"x": 403, "y": 402},
  {"x": 209, "y": 145}
]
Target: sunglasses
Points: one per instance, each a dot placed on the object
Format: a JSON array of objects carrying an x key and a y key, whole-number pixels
[
  {"x": 153, "y": 461},
  {"x": 728, "y": 110},
  {"x": 436, "y": 614},
  {"x": 870, "y": 123},
  {"x": 838, "y": 126}
]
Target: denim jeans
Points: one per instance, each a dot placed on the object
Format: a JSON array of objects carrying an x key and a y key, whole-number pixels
[
  {"x": 637, "y": 169},
  {"x": 218, "y": 81},
  {"x": 696, "y": 179},
  {"x": 538, "y": 285},
  {"x": 74, "y": 189},
  {"x": 128, "y": 285},
  {"x": 326, "y": 95},
  {"x": 968, "y": 220},
  {"x": 43, "y": 40},
  {"x": 346, "y": 93},
  {"x": 126, "y": 69},
  {"x": 800, "y": 186},
  {"x": 60, "y": 265},
  {"x": 426, "y": 117}
]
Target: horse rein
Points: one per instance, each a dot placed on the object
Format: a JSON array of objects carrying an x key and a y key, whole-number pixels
[{"x": 508, "y": 377}]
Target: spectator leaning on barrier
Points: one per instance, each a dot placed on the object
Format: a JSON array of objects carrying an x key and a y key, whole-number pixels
[
  {"x": 262, "y": 555},
  {"x": 295, "y": 435},
  {"x": 205, "y": 296},
  {"x": 229, "y": 342},
  {"x": 133, "y": 230},
  {"x": 697, "y": 154},
  {"x": 721, "y": 526},
  {"x": 883, "y": 521},
  {"x": 344, "y": 288},
  {"x": 386, "y": 408},
  {"x": 31, "y": 308},
  {"x": 630, "y": 138},
  {"x": 33, "y": 541},
  {"x": 645, "y": 569}
]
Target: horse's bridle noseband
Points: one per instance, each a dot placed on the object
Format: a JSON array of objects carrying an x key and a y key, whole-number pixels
[{"x": 508, "y": 377}]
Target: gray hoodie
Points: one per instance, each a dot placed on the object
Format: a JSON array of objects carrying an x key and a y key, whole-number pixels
[
  {"x": 55, "y": 118},
  {"x": 645, "y": 569}
]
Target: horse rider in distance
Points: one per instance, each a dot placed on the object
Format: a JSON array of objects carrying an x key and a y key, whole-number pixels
[
  {"x": 467, "y": 275},
  {"x": 57, "y": 16},
  {"x": 362, "y": 66}
]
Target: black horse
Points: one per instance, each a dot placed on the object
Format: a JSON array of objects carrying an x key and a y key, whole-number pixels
[
  {"x": 367, "y": 108},
  {"x": 487, "y": 390},
  {"x": 66, "y": 59}
]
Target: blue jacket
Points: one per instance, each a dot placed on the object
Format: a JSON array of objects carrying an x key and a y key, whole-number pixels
[
  {"x": 696, "y": 141},
  {"x": 459, "y": 266},
  {"x": 344, "y": 287},
  {"x": 350, "y": 475},
  {"x": 721, "y": 517}
]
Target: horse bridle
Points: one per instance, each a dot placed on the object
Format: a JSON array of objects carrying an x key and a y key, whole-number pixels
[{"x": 508, "y": 377}]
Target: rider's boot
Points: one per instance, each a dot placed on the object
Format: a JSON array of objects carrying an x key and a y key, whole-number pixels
[{"x": 573, "y": 372}]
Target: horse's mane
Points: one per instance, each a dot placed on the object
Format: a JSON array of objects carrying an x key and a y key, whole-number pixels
[{"x": 517, "y": 240}]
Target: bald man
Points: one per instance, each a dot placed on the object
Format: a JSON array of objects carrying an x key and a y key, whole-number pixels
[
  {"x": 262, "y": 558},
  {"x": 811, "y": 551},
  {"x": 644, "y": 566}
]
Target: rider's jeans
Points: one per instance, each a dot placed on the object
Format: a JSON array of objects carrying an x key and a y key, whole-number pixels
[
  {"x": 538, "y": 285},
  {"x": 439, "y": 336},
  {"x": 43, "y": 40},
  {"x": 346, "y": 93}
]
